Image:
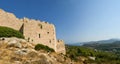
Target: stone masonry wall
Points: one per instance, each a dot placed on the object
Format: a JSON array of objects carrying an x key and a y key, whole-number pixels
[
  {"x": 34, "y": 31},
  {"x": 60, "y": 46},
  {"x": 9, "y": 20},
  {"x": 40, "y": 32}
]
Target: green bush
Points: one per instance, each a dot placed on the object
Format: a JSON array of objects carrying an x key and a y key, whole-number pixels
[
  {"x": 9, "y": 32},
  {"x": 46, "y": 48}
]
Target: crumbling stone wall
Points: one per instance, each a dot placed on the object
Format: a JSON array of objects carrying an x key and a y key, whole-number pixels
[
  {"x": 34, "y": 31},
  {"x": 39, "y": 32},
  {"x": 60, "y": 46},
  {"x": 9, "y": 20}
]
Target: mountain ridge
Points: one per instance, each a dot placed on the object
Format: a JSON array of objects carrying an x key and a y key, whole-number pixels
[{"x": 99, "y": 41}]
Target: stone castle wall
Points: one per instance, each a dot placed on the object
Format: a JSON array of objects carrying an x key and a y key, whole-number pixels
[
  {"x": 9, "y": 20},
  {"x": 40, "y": 32},
  {"x": 60, "y": 46},
  {"x": 34, "y": 31}
]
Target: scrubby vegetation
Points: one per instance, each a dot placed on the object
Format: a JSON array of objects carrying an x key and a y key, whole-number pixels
[
  {"x": 113, "y": 47},
  {"x": 74, "y": 52},
  {"x": 9, "y": 32},
  {"x": 43, "y": 47}
]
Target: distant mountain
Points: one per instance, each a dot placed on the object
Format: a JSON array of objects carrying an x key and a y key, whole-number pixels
[
  {"x": 94, "y": 42},
  {"x": 75, "y": 44},
  {"x": 103, "y": 41},
  {"x": 112, "y": 47}
]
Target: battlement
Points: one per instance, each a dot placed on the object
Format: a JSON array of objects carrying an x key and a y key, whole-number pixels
[
  {"x": 60, "y": 41},
  {"x": 60, "y": 46},
  {"x": 35, "y": 31}
]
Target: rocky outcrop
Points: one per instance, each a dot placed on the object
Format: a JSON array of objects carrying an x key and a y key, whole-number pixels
[{"x": 19, "y": 51}]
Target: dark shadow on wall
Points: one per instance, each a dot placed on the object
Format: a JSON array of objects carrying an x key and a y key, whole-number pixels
[{"x": 21, "y": 28}]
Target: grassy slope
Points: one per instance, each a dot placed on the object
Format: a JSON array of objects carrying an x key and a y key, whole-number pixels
[{"x": 9, "y": 32}]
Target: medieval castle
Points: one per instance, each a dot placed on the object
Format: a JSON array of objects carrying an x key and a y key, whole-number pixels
[{"x": 34, "y": 31}]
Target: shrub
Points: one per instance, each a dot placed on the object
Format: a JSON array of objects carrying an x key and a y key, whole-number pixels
[
  {"x": 46, "y": 48},
  {"x": 9, "y": 32}
]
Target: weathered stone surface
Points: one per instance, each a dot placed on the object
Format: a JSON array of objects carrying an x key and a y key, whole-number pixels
[
  {"x": 61, "y": 47},
  {"x": 34, "y": 31},
  {"x": 22, "y": 52},
  {"x": 14, "y": 43},
  {"x": 27, "y": 54}
]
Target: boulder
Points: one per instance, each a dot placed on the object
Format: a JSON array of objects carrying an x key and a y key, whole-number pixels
[
  {"x": 14, "y": 43},
  {"x": 22, "y": 52}
]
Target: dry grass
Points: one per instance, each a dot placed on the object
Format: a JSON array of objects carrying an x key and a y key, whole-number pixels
[{"x": 8, "y": 55}]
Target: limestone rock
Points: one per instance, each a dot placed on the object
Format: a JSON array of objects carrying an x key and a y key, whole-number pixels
[
  {"x": 17, "y": 62},
  {"x": 14, "y": 43},
  {"x": 22, "y": 52}
]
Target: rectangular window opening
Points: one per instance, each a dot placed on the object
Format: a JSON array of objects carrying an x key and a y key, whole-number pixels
[{"x": 39, "y": 35}]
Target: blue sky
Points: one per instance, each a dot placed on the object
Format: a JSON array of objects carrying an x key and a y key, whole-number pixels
[{"x": 75, "y": 20}]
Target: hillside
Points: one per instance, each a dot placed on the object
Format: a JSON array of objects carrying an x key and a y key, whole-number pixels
[
  {"x": 91, "y": 55},
  {"x": 110, "y": 47},
  {"x": 19, "y": 51}
]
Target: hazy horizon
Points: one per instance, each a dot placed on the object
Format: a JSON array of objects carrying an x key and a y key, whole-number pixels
[{"x": 75, "y": 20}]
